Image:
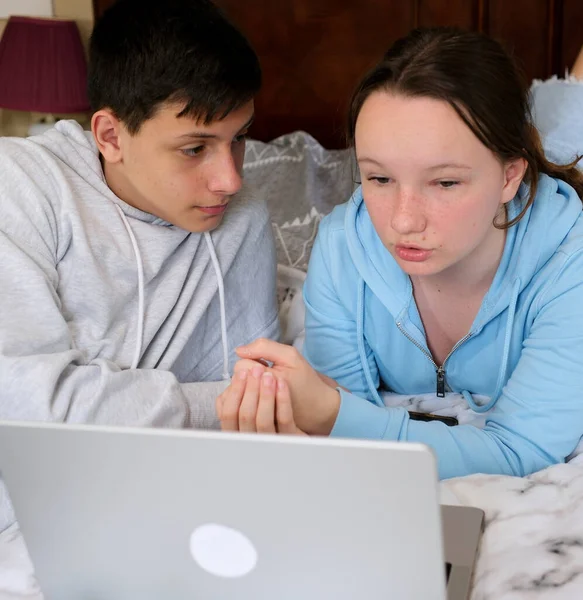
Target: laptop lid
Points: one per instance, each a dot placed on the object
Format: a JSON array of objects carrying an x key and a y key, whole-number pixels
[{"x": 120, "y": 514}]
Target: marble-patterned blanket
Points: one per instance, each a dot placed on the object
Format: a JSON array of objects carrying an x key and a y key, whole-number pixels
[{"x": 532, "y": 546}]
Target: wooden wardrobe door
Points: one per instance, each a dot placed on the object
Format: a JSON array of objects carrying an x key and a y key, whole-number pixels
[{"x": 313, "y": 53}]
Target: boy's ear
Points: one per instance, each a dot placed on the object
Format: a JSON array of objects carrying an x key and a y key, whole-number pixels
[
  {"x": 107, "y": 129},
  {"x": 514, "y": 171}
]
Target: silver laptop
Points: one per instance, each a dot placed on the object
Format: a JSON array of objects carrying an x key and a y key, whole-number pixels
[{"x": 122, "y": 514}]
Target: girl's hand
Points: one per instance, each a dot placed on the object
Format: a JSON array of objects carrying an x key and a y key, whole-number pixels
[{"x": 314, "y": 399}]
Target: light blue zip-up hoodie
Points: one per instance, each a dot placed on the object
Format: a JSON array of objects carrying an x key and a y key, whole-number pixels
[{"x": 524, "y": 350}]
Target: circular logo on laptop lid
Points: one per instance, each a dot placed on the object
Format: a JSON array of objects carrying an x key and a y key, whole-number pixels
[{"x": 222, "y": 551}]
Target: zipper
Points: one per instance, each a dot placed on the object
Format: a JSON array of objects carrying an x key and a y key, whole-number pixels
[{"x": 439, "y": 370}]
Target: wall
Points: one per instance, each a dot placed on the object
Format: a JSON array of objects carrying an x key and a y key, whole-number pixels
[
  {"x": 16, "y": 122},
  {"x": 39, "y": 8}
]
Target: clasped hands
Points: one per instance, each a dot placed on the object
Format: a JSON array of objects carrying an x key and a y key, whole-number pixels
[{"x": 287, "y": 397}]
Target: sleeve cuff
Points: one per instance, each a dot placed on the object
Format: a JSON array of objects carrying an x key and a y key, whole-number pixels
[
  {"x": 359, "y": 418},
  {"x": 201, "y": 399}
]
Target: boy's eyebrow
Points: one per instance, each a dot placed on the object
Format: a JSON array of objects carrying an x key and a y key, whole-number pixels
[
  {"x": 205, "y": 135},
  {"x": 248, "y": 124}
]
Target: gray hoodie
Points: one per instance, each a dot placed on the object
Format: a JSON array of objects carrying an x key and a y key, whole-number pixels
[{"x": 110, "y": 315}]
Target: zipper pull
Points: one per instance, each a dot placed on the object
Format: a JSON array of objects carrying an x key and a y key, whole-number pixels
[{"x": 440, "y": 382}]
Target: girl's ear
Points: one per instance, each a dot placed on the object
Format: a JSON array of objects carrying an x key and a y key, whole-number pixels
[{"x": 514, "y": 172}]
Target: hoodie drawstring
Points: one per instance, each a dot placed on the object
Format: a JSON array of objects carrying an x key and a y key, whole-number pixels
[
  {"x": 505, "y": 355},
  {"x": 360, "y": 344},
  {"x": 141, "y": 308},
  {"x": 224, "y": 340}
]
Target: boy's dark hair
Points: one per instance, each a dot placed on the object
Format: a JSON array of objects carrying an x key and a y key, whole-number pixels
[{"x": 144, "y": 53}]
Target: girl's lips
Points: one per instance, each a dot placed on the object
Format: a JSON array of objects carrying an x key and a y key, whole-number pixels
[
  {"x": 412, "y": 254},
  {"x": 213, "y": 210}
]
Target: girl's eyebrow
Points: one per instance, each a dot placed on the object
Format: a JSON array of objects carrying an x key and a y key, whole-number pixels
[
  {"x": 374, "y": 162},
  {"x": 449, "y": 166}
]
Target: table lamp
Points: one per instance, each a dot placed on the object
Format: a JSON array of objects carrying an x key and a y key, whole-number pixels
[{"x": 42, "y": 68}]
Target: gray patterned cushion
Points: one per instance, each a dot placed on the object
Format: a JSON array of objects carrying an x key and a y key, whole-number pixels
[{"x": 301, "y": 182}]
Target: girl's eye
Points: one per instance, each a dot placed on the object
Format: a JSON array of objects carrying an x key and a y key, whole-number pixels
[
  {"x": 240, "y": 138},
  {"x": 448, "y": 184},
  {"x": 380, "y": 180},
  {"x": 192, "y": 151}
]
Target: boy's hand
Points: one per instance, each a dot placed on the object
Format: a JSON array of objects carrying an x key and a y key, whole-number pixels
[{"x": 256, "y": 401}]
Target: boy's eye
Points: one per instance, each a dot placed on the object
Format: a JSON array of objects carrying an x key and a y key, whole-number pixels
[
  {"x": 192, "y": 151},
  {"x": 240, "y": 138},
  {"x": 448, "y": 184}
]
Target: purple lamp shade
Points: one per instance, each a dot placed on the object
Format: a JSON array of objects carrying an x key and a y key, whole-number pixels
[{"x": 42, "y": 66}]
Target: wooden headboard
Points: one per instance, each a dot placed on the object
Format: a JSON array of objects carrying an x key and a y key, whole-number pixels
[{"x": 313, "y": 52}]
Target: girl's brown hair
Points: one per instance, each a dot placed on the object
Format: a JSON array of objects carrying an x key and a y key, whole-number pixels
[{"x": 481, "y": 82}]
